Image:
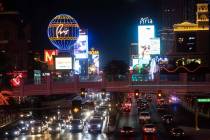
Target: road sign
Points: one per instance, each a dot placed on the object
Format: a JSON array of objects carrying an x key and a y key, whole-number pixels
[{"x": 203, "y": 100}]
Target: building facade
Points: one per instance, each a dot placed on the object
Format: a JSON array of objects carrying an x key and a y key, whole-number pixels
[{"x": 15, "y": 39}]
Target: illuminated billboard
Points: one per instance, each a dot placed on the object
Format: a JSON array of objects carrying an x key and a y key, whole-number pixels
[
  {"x": 48, "y": 56},
  {"x": 63, "y": 63},
  {"x": 145, "y": 34},
  {"x": 155, "y": 46},
  {"x": 93, "y": 67},
  {"x": 81, "y": 46},
  {"x": 77, "y": 66}
]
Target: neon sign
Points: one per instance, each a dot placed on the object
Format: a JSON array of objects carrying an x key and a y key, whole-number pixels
[
  {"x": 60, "y": 30},
  {"x": 63, "y": 32},
  {"x": 146, "y": 20},
  {"x": 48, "y": 56}
]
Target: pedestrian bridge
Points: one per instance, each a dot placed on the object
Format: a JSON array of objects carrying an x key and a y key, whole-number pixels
[{"x": 49, "y": 87}]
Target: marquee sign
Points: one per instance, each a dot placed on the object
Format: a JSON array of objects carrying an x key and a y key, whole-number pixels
[{"x": 145, "y": 21}]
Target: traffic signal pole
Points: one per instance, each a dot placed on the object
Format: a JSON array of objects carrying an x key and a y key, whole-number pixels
[{"x": 196, "y": 116}]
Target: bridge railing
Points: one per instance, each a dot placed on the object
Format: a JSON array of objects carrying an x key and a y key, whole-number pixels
[{"x": 54, "y": 86}]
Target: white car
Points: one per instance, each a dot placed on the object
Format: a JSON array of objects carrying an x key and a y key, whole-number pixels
[
  {"x": 95, "y": 125},
  {"x": 144, "y": 116}
]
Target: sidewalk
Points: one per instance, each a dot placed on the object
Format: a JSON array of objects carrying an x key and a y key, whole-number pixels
[
  {"x": 192, "y": 109},
  {"x": 202, "y": 134}
]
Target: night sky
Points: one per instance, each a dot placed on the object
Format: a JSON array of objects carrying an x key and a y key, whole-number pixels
[{"x": 112, "y": 24}]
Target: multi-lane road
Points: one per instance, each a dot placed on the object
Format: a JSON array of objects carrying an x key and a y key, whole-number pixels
[{"x": 183, "y": 118}]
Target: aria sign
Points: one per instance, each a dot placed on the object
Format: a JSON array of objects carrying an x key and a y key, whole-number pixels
[{"x": 145, "y": 20}]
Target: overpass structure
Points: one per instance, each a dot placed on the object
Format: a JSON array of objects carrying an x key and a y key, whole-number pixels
[{"x": 51, "y": 87}]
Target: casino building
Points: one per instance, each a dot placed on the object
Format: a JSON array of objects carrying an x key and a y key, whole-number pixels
[
  {"x": 190, "y": 52},
  {"x": 191, "y": 40}
]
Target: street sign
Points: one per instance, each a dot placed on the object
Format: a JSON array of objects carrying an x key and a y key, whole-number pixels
[{"x": 203, "y": 100}]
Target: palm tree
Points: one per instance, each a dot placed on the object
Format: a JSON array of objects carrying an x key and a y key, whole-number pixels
[
  {"x": 4, "y": 97},
  {"x": 115, "y": 68}
]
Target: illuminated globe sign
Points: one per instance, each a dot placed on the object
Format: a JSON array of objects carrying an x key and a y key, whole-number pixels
[{"x": 63, "y": 32}]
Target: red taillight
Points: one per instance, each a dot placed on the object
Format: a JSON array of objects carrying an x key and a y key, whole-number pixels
[{"x": 122, "y": 131}]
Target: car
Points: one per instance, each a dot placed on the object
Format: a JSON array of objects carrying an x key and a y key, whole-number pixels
[
  {"x": 127, "y": 130},
  {"x": 167, "y": 119},
  {"x": 162, "y": 110},
  {"x": 62, "y": 123},
  {"x": 95, "y": 125},
  {"x": 141, "y": 108},
  {"x": 144, "y": 116},
  {"x": 54, "y": 128},
  {"x": 103, "y": 110},
  {"x": 126, "y": 109},
  {"x": 149, "y": 129},
  {"x": 38, "y": 127},
  {"x": 149, "y": 98},
  {"x": 24, "y": 128},
  {"x": 75, "y": 125},
  {"x": 98, "y": 115},
  {"x": 176, "y": 132},
  {"x": 11, "y": 131}
]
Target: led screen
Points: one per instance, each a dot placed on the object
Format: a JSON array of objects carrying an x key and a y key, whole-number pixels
[
  {"x": 77, "y": 67},
  {"x": 63, "y": 63},
  {"x": 94, "y": 64},
  {"x": 81, "y": 46},
  {"x": 145, "y": 34},
  {"x": 155, "y": 46}
]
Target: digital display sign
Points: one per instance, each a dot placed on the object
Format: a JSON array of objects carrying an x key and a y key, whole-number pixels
[
  {"x": 77, "y": 66},
  {"x": 145, "y": 34},
  {"x": 155, "y": 46},
  {"x": 63, "y": 63},
  {"x": 94, "y": 64},
  {"x": 81, "y": 46}
]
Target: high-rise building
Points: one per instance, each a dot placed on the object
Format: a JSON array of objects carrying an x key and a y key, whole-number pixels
[
  {"x": 177, "y": 11},
  {"x": 173, "y": 12},
  {"x": 15, "y": 39},
  {"x": 192, "y": 39}
]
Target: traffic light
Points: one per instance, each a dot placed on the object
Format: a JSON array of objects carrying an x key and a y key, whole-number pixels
[
  {"x": 136, "y": 93},
  {"x": 103, "y": 93},
  {"x": 75, "y": 110},
  {"x": 159, "y": 93},
  {"x": 82, "y": 94}
]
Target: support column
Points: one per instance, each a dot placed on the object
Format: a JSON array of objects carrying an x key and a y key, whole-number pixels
[
  {"x": 183, "y": 78},
  {"x": 49, "y": 84},
  {"x": 76, "y": 83}
]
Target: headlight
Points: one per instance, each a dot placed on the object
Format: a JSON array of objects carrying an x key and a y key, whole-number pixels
[
  {"x": 16, "y": 132},
  {"x": 58, "y": 128},
  {"x": 6, "y": 133},
  {"x": 50, "y": 129},
  {"x": 88, "y": 125},
  {"x": 32, "y": 128},
  {"x": 99, "y": 125},
  {"x": 80, "y": 126},
  {"x": 39, "y": 128},
  {"x": 23, "y": 128},
  {"x": 21, "y": 122}
]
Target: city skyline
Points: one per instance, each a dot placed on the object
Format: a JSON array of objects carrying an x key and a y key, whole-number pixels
[{"x": 122, "y": 17}]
